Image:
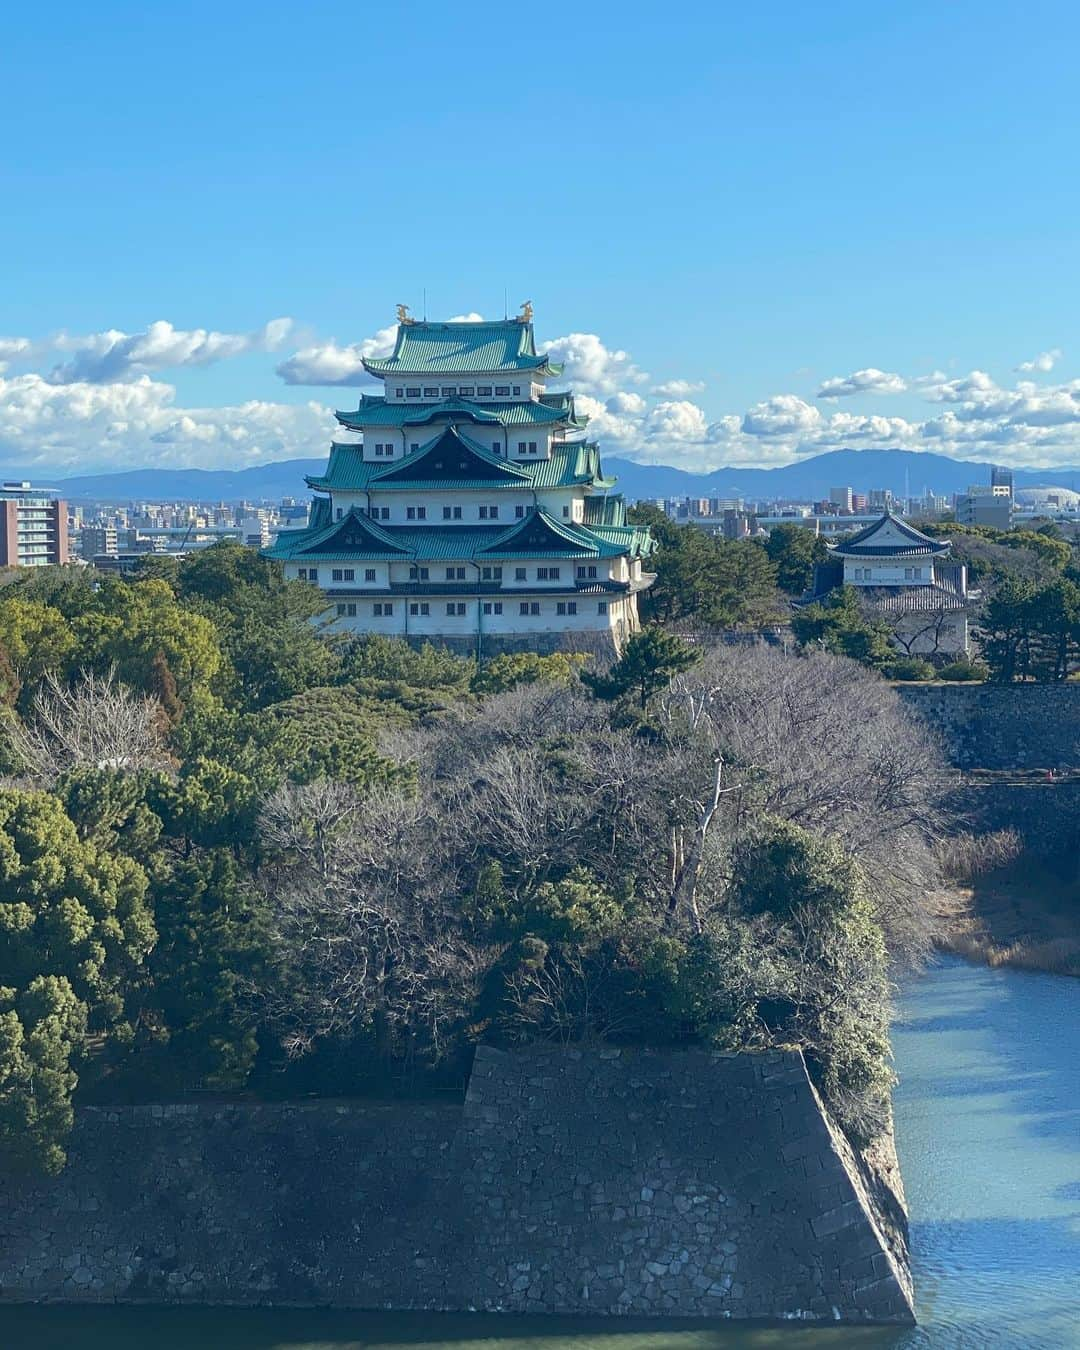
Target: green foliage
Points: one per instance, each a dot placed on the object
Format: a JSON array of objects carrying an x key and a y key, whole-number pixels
[
  {"x": 36, "y": 638},
  {"x": 839, "y": 625},
  {"x": 1032, "y": 631},
  {"x": 794, "y": 550},
  {"x": 908, "y": 668},
  {"x": 649, "y": 662},
  {"x": 963, "y": 670},
  {"x": 711, "y": 582},
  {"x": 212, "y": 953},
  {"x": 513, "y": 668},
  {"x": 381, "y": 658},
  {"x": 42, "y": 1033}
]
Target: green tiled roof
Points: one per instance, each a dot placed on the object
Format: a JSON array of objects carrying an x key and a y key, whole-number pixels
[
  {"x": 574, "y": 464},
  {"x": 375, "y": 411},
  {"x": 633, "y": 539},
  {"x": 538, "y": 534},
  {"x": 454, "y": 348},
  {"x": 607, "y": 510}
]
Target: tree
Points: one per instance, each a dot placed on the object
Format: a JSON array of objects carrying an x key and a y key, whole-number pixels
[
  {"x": 712, "y": 582},
  {"x": 839, "y": 625},
  {"x": 510, "y": 669},
  {"x": 1006, "y": 628},
  {"x": 649, "y": 662},
  {"x": 42, "y": 1032},
  {"x": 212, "y": 954},
  {"x": 794, "y": 549},
  {"x": 36, "y": 637}
]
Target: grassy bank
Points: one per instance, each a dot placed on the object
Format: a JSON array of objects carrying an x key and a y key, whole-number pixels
[{"x": 1025, "y": 915}]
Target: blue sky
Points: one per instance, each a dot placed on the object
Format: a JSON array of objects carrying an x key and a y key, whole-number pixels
[{"x": 746, "y": 202}]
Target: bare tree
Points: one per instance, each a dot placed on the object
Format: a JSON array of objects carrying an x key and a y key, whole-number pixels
[{"x": 93, "y": 722}]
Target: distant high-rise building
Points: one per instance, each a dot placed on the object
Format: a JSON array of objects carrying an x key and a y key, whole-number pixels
[
  {"x": 1000, "y": 477},
  {"x": 859, "y": 502},
  {"x": 841, "y": 498},
  {"x": 982, "y": 505},
  {"x": 881, "y": 499},
  {"x": 33, "y": 526}
]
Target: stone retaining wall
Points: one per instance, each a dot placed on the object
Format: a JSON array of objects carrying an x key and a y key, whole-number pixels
[
  {"x": 572, "y": 1181},
  {"x": 999, "y": 726}
]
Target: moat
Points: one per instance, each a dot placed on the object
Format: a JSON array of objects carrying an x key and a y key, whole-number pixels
[{"x": 988, "y": 1129}]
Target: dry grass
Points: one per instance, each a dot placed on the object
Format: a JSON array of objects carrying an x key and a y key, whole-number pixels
[{"x": 1025, "y": 915}]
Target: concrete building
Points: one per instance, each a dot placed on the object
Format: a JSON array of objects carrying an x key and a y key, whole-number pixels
[
  {"x": 986, "y": 505},
  {"x": 95, "y": 540},
  {"x": 33, "y": 526},
  {"x": 474, "y": 511},
  {"x": 840, "y": 497}
]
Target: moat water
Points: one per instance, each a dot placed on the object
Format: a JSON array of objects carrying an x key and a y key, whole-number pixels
[{"x": 988, "y": 1128}]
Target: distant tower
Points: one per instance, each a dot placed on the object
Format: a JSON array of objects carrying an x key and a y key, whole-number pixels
[{"x": 1001, "y": 477}]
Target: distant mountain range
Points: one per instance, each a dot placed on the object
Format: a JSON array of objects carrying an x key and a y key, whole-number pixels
[{"x": 902, "y": 471}]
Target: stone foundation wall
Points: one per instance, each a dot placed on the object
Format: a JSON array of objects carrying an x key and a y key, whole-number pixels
[
  {"x": 997, "y": 726},
  {"x": 572, "y": 1181}
]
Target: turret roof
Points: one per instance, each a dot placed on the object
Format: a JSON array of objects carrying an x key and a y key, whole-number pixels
[
  {"x": 889, "y": 537},
  {"x": 570, "y": 464},
  {"x": 550, "y": 410},
  {"x": 354, "y": 537},
  {"x": 463, "y": 346}
]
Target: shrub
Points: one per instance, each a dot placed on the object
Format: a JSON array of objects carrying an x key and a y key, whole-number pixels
[
  {"x": 908, "y": 668},
  {"x": 963, "y": 670}
]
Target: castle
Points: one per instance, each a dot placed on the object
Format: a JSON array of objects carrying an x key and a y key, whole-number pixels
[{"x": 473, "y": 511}]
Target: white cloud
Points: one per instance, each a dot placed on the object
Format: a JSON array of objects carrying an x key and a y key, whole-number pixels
[
  {"x": 591, "y": 367},
  {"x": 626, "y": 403},
  {"x": 114, "y": 356},
  {"x": 867, "y": 381},
  {"x": 84, "y": 427},
  {"x": 676, "y": 420},
  {"x": 328, "y": 363},
  {"x": 678, "y": 388},
  {"x": 781, "y": 415},
  {"x": 1043, "y": 362}
]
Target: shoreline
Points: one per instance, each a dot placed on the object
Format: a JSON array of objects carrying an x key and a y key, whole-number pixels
[{"x": 1025, "y": 916}]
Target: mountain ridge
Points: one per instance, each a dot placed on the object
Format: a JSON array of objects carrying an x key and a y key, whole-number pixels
[{"x": 807, "y": 480}]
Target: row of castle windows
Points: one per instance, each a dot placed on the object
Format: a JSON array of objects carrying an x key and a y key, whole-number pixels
[
  {"x": 385, "y": 449},
  {"x": 583, "y": 572},
  {"x": 456, "y": 391},
  {"x": 448, "y": 513},
  {"x": 867, "y": 573},
  {"x": 384, "y": 609}
]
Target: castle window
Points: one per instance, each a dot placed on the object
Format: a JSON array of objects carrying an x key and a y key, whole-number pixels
[
  {"x": 398, "y": 392},
  {"x": 534, "y": 608},
  {"x": 601, "y": 607},
  {"x": 532, "y": 447},
  {"x": 457, "y": 512},
  {"x": 584, "y": 573},
  {"x": 541, "y": 574},
  {"x": 523, "y": 608},
  {"x": 413, "y": 391},
  {"x": 369, "y": 574},
  {"x": 335, "y": 575},
  {"x": 496, "y": 448},
  {"x": 566, "y": 513},
  {"x": 410, "y": 513},
  {"x": 418, "y": 574},
  {"x": 351, "y": 611},
  {"x": 350, "y": 573},
  {"x": 341, "y": 611},
  {"x": 430, "y": 391},
  {"x": 571, "y": 607},
  {"x": 521, "y": 447},
  {"x": 517, "y": 388},
  {"x": 502, "y": 391},
  {"x": 414, "y": 445},
  {"x": 483, "y": 513},
  {"x": 383, "y": 609},
  {"x": 519, "y": 574},
  {"x": 491, "y": 574},
  {"x": 340, "y": 513},
  {"x": 449, "y": 390},
  {"x": 313, "y": 574},
  {"x": 446, "y": 513},
  {"x": 553, "y": 573},
  {"x": 907, "y": 573},
  {"x": 519, "y": 511},
  {"x": 494, "y": 513},
  {"x": 483, "y": 391},
  {"x": 421, "y": 608},
  {"x": 385, "y": 512},
  {"x": 560, "y": 608},
  {"x": 466, "y": 391}
]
